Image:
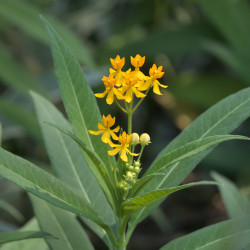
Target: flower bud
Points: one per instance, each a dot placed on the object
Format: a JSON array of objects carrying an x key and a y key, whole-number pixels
[
  {"x": 129, "y": 176},
  {"x": 137, "y": 164},
  {"x": 131, "y": 168},
  {"x": 137, "y": 170},
  {"x": 144, "y": 139},
  {"x": 134, "y": 139}
]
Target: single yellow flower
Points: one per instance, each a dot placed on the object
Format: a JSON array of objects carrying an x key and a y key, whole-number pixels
[
  {"x": 105, "y": 129},
  {"x": 122, "y": 148},
  {"x": 137, "y": 61},
  {"x": 155, "y": 73},
  {"x": 110, "y": 91},
  {"x": 117, "y": 73},
  {"x": 131, "y": 85}
]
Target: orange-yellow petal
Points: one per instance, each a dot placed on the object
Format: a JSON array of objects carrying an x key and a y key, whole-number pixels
[
  {"x": 114, "y": 151},
  {"x": 95, "y": 132},
  {"x": 101, "y": 95},
  {"x": 156, "y": 88},
  {"x": 105, "y": 137},
  {"x": 110, "y": 97},
  {"x": 123, "y": 155}
]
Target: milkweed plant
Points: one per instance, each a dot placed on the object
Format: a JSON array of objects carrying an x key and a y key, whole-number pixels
[{"x": 97, "y": 170}]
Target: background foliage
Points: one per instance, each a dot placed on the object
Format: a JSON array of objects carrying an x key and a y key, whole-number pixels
[{"x": 202, "y": 46}]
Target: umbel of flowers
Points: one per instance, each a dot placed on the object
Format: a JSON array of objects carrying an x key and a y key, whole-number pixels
[{"x": 122, "y": 87}]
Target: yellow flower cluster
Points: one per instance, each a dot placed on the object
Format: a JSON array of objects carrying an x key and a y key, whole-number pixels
[
  {"x": 107, "y": 133},
  {"x": 123, "y": 85}
]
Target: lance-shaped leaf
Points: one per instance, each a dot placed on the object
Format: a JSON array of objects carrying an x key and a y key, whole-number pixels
[
  {"x": 11, "y": 210},
  {"x": 9, "y": 237},
  {"x": 98, "y": 168},
  {"x": 132, "y": 205},
  {"x": 45, "y": 186},
  {"x": 61, "y": 224},
  {"x": 220, "y": 119},
  {"x": 190, "y": 149},
  {"x": 236, "y": 203},
  {"x": 69, "y": 164},
  {"x": 230, "y": 235},
  {"x": 38, "y": 244},
  {"x": 79, "y": 100}
]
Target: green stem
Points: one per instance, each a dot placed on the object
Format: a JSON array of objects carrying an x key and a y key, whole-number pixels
[
  {"x": 138, "y": 104},
  {"x": 119, "y": 105}
]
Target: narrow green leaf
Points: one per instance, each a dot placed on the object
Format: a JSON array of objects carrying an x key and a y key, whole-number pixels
[
  {"x": 140, "y": 184},
  {"x": 236, "y": 203},
  {"x": 68, "y": 162},
  {"x": 45, "y": 186},
  {"x": 14, "y": 75},
  {"x": 190, "y": 149},
  {"x": 0, "y": 134},
  {"x": 61, "y": 224},
  {"x": 8, "y": 237},
  {"x": 11, "y": 210},
  {"x": 23, "y": 117},
  {"x": 132, "y": 205},
  {"x": 230, "y": 235},
  {"x": 222, "y": 118},
  {"x": 79, "y": 100},
  {"x": 38, "y": 244},
  {"x": 26, "y": 16}
]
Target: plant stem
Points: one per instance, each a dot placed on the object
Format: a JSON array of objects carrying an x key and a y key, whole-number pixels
[
  {"x": 137, "y": 105},
  {"x": 119, "y": 105}
]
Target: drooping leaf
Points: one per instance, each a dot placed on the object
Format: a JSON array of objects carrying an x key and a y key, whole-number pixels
[
  {"x": 61, "y": 224},
  {"x": 26, "y": 16},
  {"x": 78, "y": 98},
  {"x": 222, "y": 118},
  {"x": 68, "y": 162},
  {"x": 189, "y": 150},
  {"x": 44, "y": 185},
  {"x": 230, "y": 235},
  {"x": 236, "y": 203},
  {"x": 38, "y": 244},
  {"x": 132, "y": 205},
  {"x": 9, "y": 237}
]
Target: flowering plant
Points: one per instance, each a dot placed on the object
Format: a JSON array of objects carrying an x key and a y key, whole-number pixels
[{"x": 97, "y": 172}]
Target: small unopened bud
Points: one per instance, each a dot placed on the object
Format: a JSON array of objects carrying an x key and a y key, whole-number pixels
[
  {"x": 137, "y": 170},
  {"x": 127, "y": 165},
  {"x": 129, "y": 176},
  {"x": 144, "y": 139},
  {"x": 137, "y": 164},
  {"x": 134, "y": 139},
  {"x": 131, "y": 168}
]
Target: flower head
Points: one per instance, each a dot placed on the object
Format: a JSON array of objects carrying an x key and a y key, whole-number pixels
[
  {"x": 137, "y": 61},
  {"x": 122, "y": 148},
  {"x": 111, "y": 91},
  {"x": 155, "y": 73},
  {"x": 131, "y": 85},
  {"x": 118, "y": 62},
  {"x": 105, "y": 129}
]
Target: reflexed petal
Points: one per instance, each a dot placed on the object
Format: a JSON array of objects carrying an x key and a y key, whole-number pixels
[
  {"x": 95, "y": 132},
  {"x": 146, "y": 85},
  {"x": 101, "y": 95},
  {"x": 129, "y": 95},
  {"x": 163, "y": 86},
  {"x": 114, "y": 136},
  {"x": 110, "y": 97},
  {"x": 138, "y": 93},
  {"x": 123, "y": 155},
  {"x": 156, "y": 88},
  {"x": 114, "y": 151},
  {"x": 116, "y": 129},
  {"x": 105, "y": 137}
]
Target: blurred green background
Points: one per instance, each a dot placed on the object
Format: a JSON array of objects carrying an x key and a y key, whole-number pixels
[{"x": 204, "y": 47}]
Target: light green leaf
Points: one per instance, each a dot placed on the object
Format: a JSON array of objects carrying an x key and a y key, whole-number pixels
[
  {"x": 26, "y": 16},
  {"x": 79, "y": 100},
  {"x": 38, "y": 244},
  {"x": 132, "y": 205},
  {"x": 1, "y": 134},
  {"x": 22, "y": 117},
  {"x": 236, "y": 203},
  {"x": 11, "y": 210},
  {"x": 189, "y": 150},
  {"x": 68, "y": 162},
  {"x": 45, "y": 186},
  {"x": 61, "y": 224},
  {"x": 222, "y": 118},
  {"x": 230, "y": 235},
  {"x": 14, "y": 75},
  {"x": 8, "y": 237}
]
